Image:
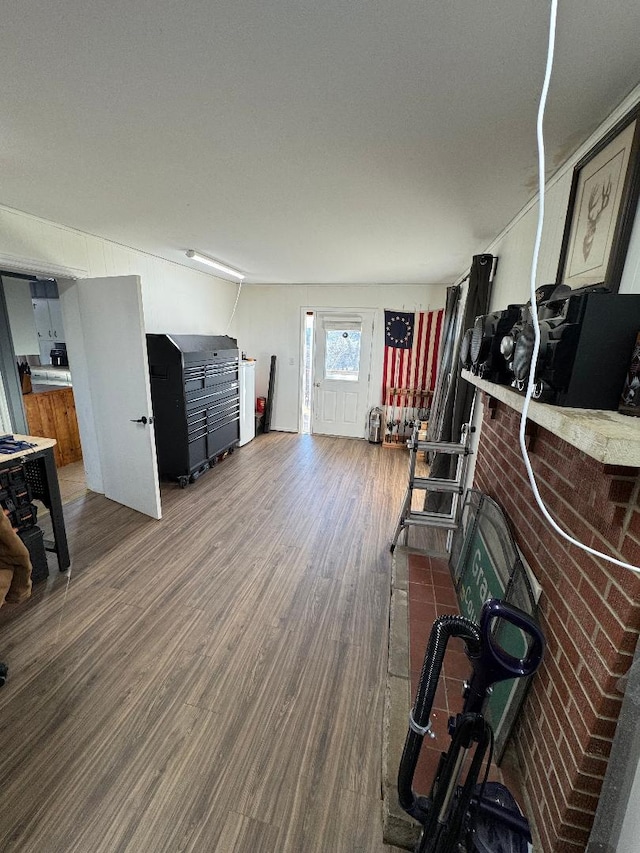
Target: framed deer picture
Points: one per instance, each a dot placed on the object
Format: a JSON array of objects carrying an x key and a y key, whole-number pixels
[{"x": 602, "y": 207}]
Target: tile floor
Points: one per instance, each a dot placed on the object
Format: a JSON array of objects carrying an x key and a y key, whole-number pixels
[
  {"x": 431, "y": 594},
  {"x": 71, "y": 479}
]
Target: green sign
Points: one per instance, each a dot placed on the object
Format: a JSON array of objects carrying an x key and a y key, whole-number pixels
[{"x": 478, "y": 581}]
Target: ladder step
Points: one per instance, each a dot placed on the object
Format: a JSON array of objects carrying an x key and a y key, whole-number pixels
[
  {"x": 441, "y": 447},
  {"x": 434, "y": 484},
  {"x": 430, "y": 519}
]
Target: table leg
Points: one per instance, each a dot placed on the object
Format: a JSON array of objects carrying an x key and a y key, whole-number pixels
[{"x": 55, "y": 508}]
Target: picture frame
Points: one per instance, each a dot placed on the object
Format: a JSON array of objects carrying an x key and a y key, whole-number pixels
[{"x": 602, "y": 207}]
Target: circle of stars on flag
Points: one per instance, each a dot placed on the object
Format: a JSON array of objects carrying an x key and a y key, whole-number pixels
[{"x": 399, "y": 330}]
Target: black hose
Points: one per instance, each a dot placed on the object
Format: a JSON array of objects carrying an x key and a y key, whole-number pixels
[{"x": 443, "y": 629}]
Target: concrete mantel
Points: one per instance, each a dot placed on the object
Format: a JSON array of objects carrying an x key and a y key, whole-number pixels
[{"x": 609, "y": 437}]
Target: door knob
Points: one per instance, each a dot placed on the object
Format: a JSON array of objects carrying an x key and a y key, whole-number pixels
[
  {"x": 143, "y": 420},
  {"x": 317, "y": 384}
]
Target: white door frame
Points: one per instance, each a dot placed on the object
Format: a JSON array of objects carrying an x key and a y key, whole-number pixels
[{"x": 371, "y": 313}]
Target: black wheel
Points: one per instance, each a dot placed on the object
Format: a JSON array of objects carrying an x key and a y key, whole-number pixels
[
  {"x": 4, "y": 671},
  {"x": 182, "y": 482}
]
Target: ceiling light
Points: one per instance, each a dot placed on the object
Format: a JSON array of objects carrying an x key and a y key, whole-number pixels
[{"x": 197, "y": 256}]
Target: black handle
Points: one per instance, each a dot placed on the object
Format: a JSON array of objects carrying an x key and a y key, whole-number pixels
[
  {"x": 496, "y": 659},
  {"x": 143, "y": 420}
]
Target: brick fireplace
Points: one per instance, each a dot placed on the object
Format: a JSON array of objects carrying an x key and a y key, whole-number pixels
[{"x": 589, "y": 610}]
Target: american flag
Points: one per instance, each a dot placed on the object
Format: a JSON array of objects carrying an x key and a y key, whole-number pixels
[{"x": 412, "y": 342}]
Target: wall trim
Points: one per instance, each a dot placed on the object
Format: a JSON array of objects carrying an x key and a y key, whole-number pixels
[{"x": 13, "y": 263}]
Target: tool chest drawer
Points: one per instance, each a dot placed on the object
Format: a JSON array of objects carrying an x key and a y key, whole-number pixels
[{"x": 206, "y": 377}]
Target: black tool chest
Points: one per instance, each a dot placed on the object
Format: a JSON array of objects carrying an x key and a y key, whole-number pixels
[
  {"x": 16, "y": 497},
  {"x": 196, "y": 401}
]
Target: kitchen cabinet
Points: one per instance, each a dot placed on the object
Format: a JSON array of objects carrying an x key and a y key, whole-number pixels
[
  {"x": 48, "y": 318},
  {"x": 20, "y": 312},
  {"x": 52, "y": 414},
  {"x": 47, "y": 314}
]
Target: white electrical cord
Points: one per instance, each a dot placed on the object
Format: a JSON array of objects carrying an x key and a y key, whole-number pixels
[
  {"x": 234, "y": 308},
  {"x": 534, "y": 313}
]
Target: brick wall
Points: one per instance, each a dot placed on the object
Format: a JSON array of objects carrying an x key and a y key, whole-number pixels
[{"x": 590, "y": 612}]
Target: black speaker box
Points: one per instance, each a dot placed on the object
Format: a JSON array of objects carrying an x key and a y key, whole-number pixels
[
  {"x": 604, "y": 339},
  {"x": 33, "y": 538}
]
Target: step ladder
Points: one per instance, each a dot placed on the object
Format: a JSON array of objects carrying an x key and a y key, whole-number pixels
[{"x": 455, "y": 487}]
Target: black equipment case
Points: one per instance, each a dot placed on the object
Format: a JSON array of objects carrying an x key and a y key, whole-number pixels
[
  {"x": 16, "y": 497},
  {"x": 33, "y": 538}
]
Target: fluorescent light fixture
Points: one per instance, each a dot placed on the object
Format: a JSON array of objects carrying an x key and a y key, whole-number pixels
[{"x": 198, "y": 256}]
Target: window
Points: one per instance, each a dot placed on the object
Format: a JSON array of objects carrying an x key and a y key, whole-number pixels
[
  {"x": 342, "y": 354},
  {"x": 307, "y": 372}
]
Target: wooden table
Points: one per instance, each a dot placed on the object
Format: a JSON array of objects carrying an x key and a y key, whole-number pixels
[{"x": 42, "y": 476}]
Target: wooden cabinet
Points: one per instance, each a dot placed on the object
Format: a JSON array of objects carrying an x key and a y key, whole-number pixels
[{"x": 52, "y": 414}]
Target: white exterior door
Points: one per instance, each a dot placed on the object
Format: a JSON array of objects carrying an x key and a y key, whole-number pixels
[
  {"x": 111, "y": 347},
  {"x": 341, "y": 372}
]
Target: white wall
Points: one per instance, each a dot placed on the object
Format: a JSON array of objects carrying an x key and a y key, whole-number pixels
[
  {"x": 175, "y": 298},
  {"x": 514, "y": 247},
  {"x": 269, "y": 323}
]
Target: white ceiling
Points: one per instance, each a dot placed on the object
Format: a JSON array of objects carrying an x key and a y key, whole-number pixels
[{"x": 340, "y": 141}]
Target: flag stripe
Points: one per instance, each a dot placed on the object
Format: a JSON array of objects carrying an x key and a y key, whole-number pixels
[
  {"x": 406, "y": 359},
  {"x": 436, "y": 350},
  {"x": 428, "y": 354},
  {"x": 415, "y": 378},
  {"x": 385, "y": 366}
]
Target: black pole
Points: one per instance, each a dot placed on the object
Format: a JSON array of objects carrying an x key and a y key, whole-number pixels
[{"x": 269, "y": 403}]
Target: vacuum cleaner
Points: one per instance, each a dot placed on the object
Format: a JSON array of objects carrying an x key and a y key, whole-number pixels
[{"x": 462, "y": 814}]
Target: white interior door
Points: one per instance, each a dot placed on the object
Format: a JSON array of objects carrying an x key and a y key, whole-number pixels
[
  {"x": 114, "y": 359},
  {"x": 341, "y": 372}
]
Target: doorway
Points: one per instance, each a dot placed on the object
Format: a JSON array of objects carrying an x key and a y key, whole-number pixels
[
  {"x": 36, "y": 374},
  {"x": 104, "y": 328},
  {"x": 338, "y": 345}
]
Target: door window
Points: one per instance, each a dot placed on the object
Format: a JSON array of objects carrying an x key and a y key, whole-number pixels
[{"x": 342, "y": 354}]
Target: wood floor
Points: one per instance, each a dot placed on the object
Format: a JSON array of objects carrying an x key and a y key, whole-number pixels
[{"x": 213, "y": 681}]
